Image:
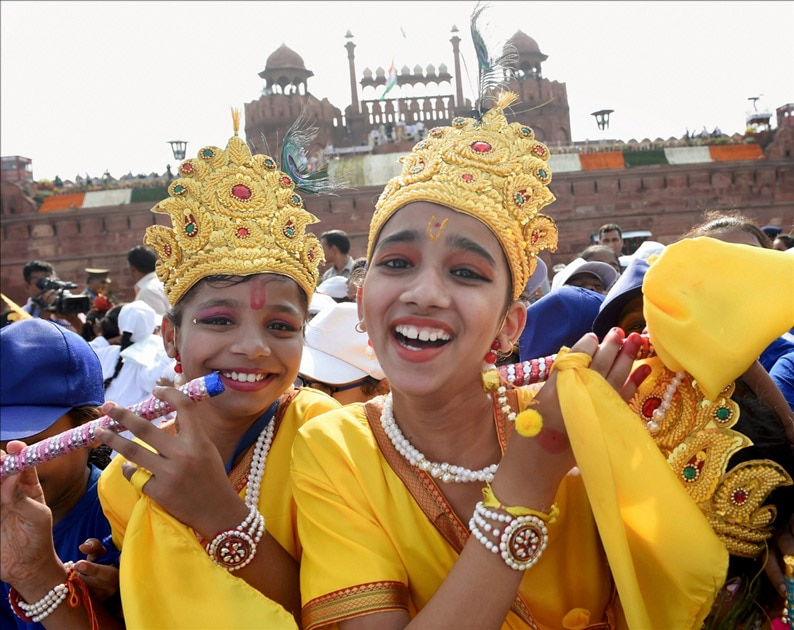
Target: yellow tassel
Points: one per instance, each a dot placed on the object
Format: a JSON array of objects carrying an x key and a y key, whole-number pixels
[
  {"x": 505, "y": 99},
  {"x": 236, "y": 120},
  {"x": 529, "y": 423}
]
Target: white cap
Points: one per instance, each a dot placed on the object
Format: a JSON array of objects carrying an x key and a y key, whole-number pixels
[
  {"x": 139, "y": 319},
  {"x": 336, "y": 287},
  {"x": 334, "y": 352}
]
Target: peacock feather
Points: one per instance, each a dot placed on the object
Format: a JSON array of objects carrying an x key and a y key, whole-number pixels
[{"x": 495, "y": 69}]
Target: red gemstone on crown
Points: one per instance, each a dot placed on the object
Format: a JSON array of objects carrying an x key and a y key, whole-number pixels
[
  {"x": 740, "y": 496},
  {"x": 243, "y": 232},
  {"x": 241, "y": 191},
  {"x": 467, "y": 177},
  {"x": 481, "y": 146},
  {"x": 285, "y": 181}
]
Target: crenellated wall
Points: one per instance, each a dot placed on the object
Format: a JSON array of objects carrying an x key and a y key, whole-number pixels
[{"x": 665, "y": 199}]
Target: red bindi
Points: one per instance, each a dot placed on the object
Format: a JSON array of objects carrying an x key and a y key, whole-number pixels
[{"x": 258, "y": 293}]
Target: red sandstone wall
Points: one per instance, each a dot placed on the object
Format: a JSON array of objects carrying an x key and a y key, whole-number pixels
[{"x": 666, "y": 200}]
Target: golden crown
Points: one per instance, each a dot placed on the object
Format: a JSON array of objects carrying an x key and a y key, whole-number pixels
[
  {"x": 490, "y": 169},
  {"x": 695, "y": 435},
  {"x": 233, "y": 213}
]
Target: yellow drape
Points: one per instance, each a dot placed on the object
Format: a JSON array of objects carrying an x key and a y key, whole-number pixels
[{"x": 667, "y": 564}]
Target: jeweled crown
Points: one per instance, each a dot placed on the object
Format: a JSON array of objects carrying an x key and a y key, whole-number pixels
[
  {"x": 696, "y": 437},
  {"x": 233, "y": 213},
  {"x": 490, "y": 169}
]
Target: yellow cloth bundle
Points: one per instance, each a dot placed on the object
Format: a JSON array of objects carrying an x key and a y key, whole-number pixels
[
  {"x": 667, "y": 562},
  {"x": 712, "y": 307}
]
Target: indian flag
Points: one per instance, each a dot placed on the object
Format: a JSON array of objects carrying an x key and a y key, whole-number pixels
[{"x": 391, "y": 81}]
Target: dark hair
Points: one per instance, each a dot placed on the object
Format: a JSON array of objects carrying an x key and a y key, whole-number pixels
[
  {"x": 338, "y": 239},
  {"x": 143, "y": 258},
  {"x": 110, "y": 323},
  {"x": 753, "y": 594},
  {"x": 786, "y": 239},
  {"x": 589, "y": 252},
  {"x": 229, "y": 280},
  {"x": 609, "y": 227},
  {"x": 721, "y": 221},
  {"x": 126, "y": 342},
  {"x": 36, "y": 265}
]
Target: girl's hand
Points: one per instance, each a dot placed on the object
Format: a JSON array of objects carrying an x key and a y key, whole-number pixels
[{"x": 186, "y": 475}]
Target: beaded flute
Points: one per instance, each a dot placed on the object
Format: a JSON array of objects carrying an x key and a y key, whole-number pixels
[
  {"x": 537, "y": 370},
  {"x": 80, "y": 437}
]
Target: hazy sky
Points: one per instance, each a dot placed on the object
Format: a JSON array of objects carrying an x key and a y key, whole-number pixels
[{"x": 92, "y": 86}]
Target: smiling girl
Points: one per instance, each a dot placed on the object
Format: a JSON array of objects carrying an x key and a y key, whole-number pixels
[
  {"x": 426, "y": 507},
  {"x": 201, "y": 508}
]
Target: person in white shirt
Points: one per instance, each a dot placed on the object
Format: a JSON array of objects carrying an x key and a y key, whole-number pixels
[
  {"x": 141, "y": 261},
  {"x": 336, "y": 247}
]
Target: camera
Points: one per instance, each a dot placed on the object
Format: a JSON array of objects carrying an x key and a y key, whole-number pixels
[{"x": 65, "y": 303}]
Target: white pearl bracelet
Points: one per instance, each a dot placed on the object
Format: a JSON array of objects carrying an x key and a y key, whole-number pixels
[
  {"x": 235, "y": 548},
  {"x": 46, "y": 605},
  {"x": 521, "y": 542}
]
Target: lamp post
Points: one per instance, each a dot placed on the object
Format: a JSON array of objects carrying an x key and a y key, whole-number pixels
[
  {"x": 602, "y": 118},
  {"x": 178, "y": 148}
]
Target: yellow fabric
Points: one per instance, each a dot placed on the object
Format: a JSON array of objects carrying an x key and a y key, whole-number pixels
[
  {"x": 666, "y": 561},
  {"x": 361, "y": 527},
  {"x": 368, "y": 547},
  {"x": 167, "y": 580},
  {"x": 713, "y": 307}
]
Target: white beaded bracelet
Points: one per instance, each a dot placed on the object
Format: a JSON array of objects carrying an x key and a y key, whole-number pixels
[
  {"x": 46, "y": 605},
  {"x": 521, "y": 542},
  {"x": 235, "y": 548}
]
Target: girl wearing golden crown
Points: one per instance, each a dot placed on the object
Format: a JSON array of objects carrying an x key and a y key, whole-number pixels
[
  {"x": 204, "y": 519},
  {"x": 453, "y": 501}
]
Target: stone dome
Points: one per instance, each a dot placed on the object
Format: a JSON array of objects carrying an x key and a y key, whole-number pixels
[
  {"x": 284, "y": 57},
  {"x": 524, "y": 44}
]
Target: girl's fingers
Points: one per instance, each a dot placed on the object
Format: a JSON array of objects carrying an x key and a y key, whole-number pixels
[{"x": 141, "y": 455}]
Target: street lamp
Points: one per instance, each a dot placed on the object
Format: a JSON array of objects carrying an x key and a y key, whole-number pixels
[
  {"x": 179, "y": 148},
  {"x": 602, "y": 118}
]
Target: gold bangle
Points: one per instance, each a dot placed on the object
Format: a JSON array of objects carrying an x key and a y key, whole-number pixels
[{"x": 489, "y": 500}]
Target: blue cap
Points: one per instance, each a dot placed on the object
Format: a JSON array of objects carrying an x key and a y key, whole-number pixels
[
  {"x": 559, "y": 318},
  {"x": 45, "y": 372},
  {"x": 627, "y": 287}
]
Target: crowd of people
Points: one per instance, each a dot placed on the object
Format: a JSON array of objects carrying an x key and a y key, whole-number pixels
[{"x": 437, "y": 434}]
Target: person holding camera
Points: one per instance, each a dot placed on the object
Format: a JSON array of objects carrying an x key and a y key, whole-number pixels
[{"x": 50, "y": 298}]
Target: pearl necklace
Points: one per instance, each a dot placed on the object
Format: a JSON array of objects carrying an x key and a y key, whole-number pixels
[
  {"x": 444, "y": 471},
  {"x": 258, "y": 462}
]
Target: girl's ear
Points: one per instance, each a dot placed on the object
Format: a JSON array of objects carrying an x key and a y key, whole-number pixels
[
  {"x": 515, "y": 320},
  {"x": 168, "y": 331}
]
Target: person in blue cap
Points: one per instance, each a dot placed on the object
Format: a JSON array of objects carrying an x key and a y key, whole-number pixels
[
  {"x": 50, "y": 382},
  {"x": 559, "y": 318}
]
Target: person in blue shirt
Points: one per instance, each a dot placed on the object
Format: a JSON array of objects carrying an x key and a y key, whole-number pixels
[{"x": 50, "y": 382}]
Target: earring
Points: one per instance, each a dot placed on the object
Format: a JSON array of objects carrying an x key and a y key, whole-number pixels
[
  {"x": 490, "y": 356},
  {"x": 360, "y": 326},
  {"x": 370, "y": 351},
  {"x": 180, "y": 378}
]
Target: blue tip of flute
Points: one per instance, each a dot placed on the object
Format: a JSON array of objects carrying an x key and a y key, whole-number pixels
[{"x": 213, "y": 384}]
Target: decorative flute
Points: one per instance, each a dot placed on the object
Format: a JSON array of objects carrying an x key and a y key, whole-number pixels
[
  {"x": 537, "y": 370},
  {"x": 83, "y": 436}
]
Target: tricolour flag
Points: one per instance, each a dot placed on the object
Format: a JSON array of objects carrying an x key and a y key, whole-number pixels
[{"x": 391, "y": 81}]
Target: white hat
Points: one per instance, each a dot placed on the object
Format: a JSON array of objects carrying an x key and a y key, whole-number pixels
[
  {"x": 334, "y": 352},
  {"x": 605, "y": 272},
  {"x": 644, "y": 251},
  {"x": 320, "y": 302},
  {"x": 139, "y": 319},
  {"x": 336, "y": 287}
]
